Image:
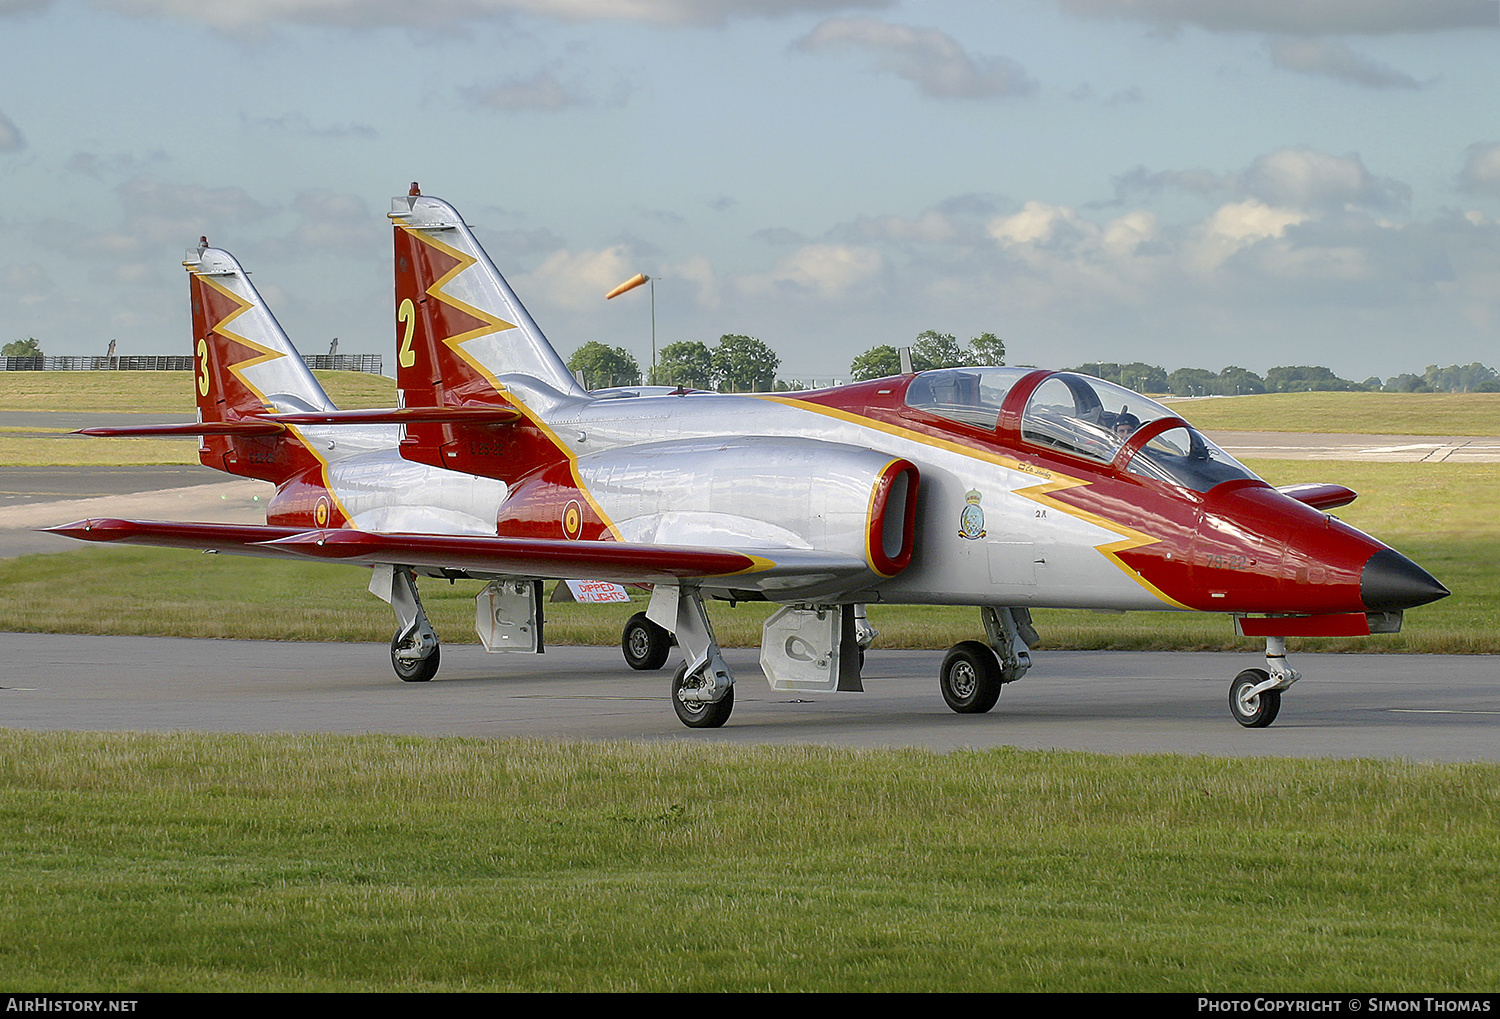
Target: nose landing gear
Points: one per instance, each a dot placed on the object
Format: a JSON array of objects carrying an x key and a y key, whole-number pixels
[{"x": 1255, "y": 694}]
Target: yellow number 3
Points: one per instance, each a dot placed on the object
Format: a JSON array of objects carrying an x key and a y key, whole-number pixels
[
  {"x": 203, "y": 367},
  {"x": 407, "y": 314}
]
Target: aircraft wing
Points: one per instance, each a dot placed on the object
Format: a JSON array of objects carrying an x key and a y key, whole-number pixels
[{"x": 551, "y": 559}]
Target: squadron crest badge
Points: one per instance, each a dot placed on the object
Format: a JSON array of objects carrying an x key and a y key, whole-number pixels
[{"x": 971, "y": 520}]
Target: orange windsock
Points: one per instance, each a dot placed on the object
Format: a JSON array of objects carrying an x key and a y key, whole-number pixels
[{"x": 629, "y": 284}]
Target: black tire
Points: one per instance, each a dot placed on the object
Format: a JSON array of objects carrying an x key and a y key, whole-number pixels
[
  {"x": 1253, "y": 711},
  {"x": 419, "y": 671},
  {"x": 699, "y": 715},
  {"x": 970, "y": 679},
  {"x": 645, "y": 644}
]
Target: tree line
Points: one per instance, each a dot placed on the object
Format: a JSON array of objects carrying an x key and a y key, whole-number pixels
[
  {"x": 744, "y": 364},
  {"x": 1236, "y": 381}
]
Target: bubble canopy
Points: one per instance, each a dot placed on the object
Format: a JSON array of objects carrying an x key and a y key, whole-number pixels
[{"x": 1082, "y": 417}]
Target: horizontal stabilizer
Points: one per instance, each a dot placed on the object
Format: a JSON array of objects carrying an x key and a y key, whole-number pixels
[
  {"x": 493, "y": 415},
  {"x": 1320, "y": 496},
  {"x": 236, "y": 539},
  {"x": 275, "y": 424},
  {"x": 240, "y": 428}
]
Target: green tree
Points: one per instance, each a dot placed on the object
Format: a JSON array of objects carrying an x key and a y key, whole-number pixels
[
  {"x": 987, "y": 349},
  {"x": 933, "y": 349},
  {"x": 28, "y": 347},
  {"x": 685, "y": 363},
  {"x": 1407, "y": 383},
  {"x": 1192, "y": 382},
  {"x": 876, "y": 363},
  {"x": 605, "y": 366},
  {"x": 743, "y": 364},
  {"x": 1458, "y": 378},
  {"x": 1235, "y": 381},
  {"x": 930, "y": 350},
  {"x": 1306, "y": 378},
  {"x": 1143, "y": 378}
]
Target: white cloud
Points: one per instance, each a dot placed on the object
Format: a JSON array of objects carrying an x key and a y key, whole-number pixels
[
  {"x": 1299, "y": 177},
  {"x": 1250, "y": 221},
  {"x": 1306, "y": 178},
  {"x": 298, "y": 125},
  {"x": 10, "y": 135},
  {"x": 931, "y": 60},
  {"x": 21, "y": 6},
  {"x": 1337, "y": 61},
  {"x": 933, "y": 226},
  {"x": 541, "y": 92},
  {"x": 1304, "y": 17},
  {"x": 699, "y": 272},
  {"x": 28, "y": 283},
  {"x": 825, "y": 270},
  {"x": 1481, "y": 172},
  {"x": 577, "y": 281},
  {"x": 1036, "y": 223},
  {"x": 252, "y": 16}
]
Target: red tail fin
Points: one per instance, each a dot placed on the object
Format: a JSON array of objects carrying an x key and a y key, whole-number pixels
[
  {"x": 243, "y": 365},
  {"x": 462, "y": 338}
]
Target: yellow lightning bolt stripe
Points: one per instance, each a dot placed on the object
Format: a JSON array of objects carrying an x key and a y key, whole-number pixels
[
  {"x": 266, "y": 354},
  {"x": 490, "y": 323},
  {"x": 1041, "y": 494},
  {"x": 496, "y": 324},
  {"x": 1130, "y": 537}
]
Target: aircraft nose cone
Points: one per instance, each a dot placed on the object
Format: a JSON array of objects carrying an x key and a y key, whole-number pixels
[{"x": 1390, "y": 582}]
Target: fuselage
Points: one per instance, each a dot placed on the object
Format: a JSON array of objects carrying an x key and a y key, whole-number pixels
[{"x": 1017, "y": 497}]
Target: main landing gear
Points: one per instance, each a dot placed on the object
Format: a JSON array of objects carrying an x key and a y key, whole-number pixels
[
  {"x": 646, "y": 645},
  {"x": 703, "y": 687},
  {"x": 974, "y": 671},
  {"x": 1255, "y": 694},
  {"x": 415, "y": 653}
]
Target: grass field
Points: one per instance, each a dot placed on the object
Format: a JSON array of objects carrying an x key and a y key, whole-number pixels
[
  {"x": 1356, "y": 413},
  {"x": 139, "y": 862},
  {"x": 160, "y": 392},
  {"x": 1373, "y": 413}
]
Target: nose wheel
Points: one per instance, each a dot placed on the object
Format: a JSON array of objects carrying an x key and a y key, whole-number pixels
[
  {"x": 1253, "y": 699},
  {"x": 1255, "y": 694}
]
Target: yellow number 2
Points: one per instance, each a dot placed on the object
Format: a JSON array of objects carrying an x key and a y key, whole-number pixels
[{"x": 407, "y": 314}]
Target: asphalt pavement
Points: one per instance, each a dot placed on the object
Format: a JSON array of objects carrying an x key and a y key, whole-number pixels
[{"x": 1419, "y": 707}]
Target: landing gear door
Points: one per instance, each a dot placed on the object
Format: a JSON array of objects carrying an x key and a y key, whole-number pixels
[
  {"x": 812, "y": 649},
  {"x": 508, "y": 616}
]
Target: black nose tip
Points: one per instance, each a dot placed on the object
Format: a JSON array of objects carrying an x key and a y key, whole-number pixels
[{"x": 1391, "y": 581}]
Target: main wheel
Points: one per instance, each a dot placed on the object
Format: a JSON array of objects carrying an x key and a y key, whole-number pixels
[
  {"x": 1253, "y": 710},
  {"x": 970, "y": 678},
  {"x": 419, "y": 671},
  {"x": 645, "y": 644},
  {"x": 700, "y": 714}
]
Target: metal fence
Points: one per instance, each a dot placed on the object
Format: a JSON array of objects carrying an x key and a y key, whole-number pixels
[{"x": 372, "y": 363}]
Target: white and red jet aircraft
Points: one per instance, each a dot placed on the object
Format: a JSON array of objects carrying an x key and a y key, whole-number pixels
[{"x": 1001, "y": 488}]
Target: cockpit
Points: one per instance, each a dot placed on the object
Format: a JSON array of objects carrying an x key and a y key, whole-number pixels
[{"x": 1079, "y": 416}]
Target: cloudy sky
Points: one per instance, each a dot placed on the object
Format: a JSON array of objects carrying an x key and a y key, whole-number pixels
[{"x": 1184, "y": 182}]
